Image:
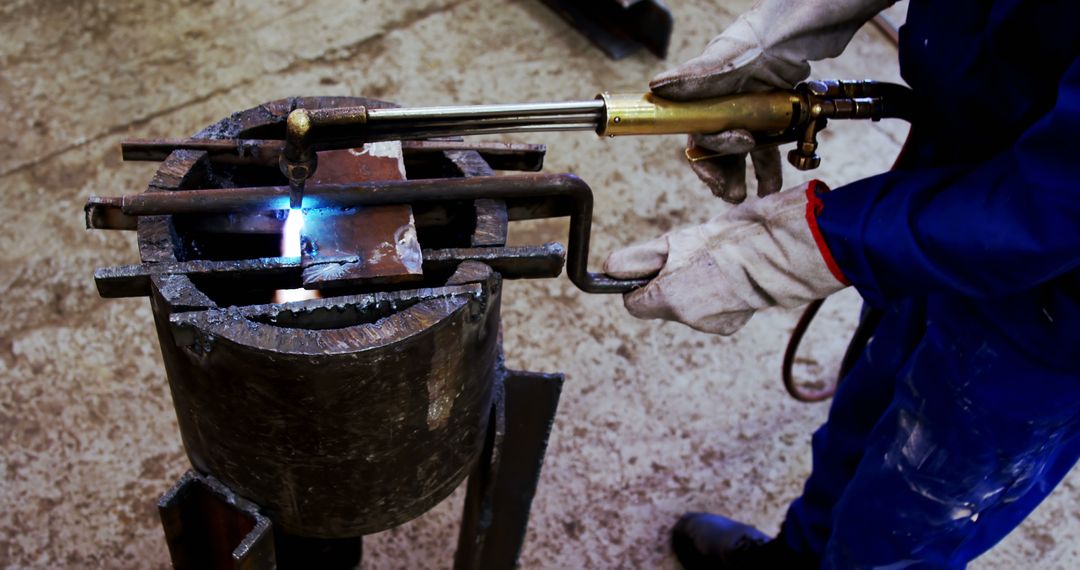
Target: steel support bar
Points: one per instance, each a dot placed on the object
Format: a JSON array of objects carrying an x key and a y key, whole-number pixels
[
  {"x": 501, "y": 492},
  {"x": 265, "y": 152},
  {"x": 134, "y": 280},
  {"x": 520, "y": 262}
]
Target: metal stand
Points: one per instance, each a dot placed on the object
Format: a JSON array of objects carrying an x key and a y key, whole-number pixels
[{"x": 207, "y": 526}]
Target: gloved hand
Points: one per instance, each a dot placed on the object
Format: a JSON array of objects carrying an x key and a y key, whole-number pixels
[
  {"x": 768, "y": 47},
  {"x": 714, "y": 276}
]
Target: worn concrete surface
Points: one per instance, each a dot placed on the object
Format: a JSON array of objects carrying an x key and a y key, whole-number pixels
[{"x": 656, "y": 419}]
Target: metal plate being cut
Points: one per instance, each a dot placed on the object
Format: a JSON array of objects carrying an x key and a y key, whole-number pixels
[{"x": 376, "y": 243}]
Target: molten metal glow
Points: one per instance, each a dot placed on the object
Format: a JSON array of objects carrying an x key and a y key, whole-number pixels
[
  {"x": 290, "y": 236},
  {"x": 290, "y": 247}
]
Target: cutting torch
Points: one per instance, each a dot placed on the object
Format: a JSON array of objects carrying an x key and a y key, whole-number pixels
[{"x": 773, "y": 117}]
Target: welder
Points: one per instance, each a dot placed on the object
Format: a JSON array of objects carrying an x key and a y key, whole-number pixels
[{"x": 962, "y": 413}]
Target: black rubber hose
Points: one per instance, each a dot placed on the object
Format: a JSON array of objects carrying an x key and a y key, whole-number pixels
[{"x": 865, "y": 331}]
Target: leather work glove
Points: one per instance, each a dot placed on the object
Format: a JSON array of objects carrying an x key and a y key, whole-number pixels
[
  {"x": 714, "y": 276},
  {"x": 766, "y": 48}
]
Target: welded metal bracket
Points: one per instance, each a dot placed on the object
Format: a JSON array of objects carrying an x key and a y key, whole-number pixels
[{"x": 207, "y": 526}]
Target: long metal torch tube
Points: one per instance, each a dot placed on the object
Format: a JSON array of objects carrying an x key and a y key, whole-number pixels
[
  {"x": 594, "y": 107},
  {"x": 470, "y": 122},
  {"x": 492, "y": 130},
  {"x": 482, "y": 119},
  {"x": 406, "y": 134},
  {"x": 510, "y": 188}
]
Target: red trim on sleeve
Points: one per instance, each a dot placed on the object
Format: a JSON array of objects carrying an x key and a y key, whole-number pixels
[{"x": 813, "y": 208}]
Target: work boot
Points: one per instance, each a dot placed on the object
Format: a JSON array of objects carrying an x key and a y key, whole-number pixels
[{"x": 703, "y": 540}]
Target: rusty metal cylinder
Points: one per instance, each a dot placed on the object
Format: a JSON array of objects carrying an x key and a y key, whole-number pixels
[{"x": 339, "y": 417}]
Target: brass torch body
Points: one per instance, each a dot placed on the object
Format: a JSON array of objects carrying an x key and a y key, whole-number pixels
[{"x": 770, "y": 114}]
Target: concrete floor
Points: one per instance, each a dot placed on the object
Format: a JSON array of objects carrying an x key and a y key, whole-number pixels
[{"x": 656, "y": 419}]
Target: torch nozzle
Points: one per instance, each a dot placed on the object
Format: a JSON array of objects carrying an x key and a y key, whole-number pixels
[{"x": 296, "y": 194}]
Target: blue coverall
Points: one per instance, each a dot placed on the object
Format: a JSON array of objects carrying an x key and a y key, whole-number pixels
[{"x": 963, "y": 412}]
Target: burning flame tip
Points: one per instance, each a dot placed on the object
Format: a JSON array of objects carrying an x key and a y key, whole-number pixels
[
  {"x": 290, "y": 247},
  {"x": 290, "y": 236}
]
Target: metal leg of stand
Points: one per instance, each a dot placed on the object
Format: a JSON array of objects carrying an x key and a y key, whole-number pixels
[
  {"x": 501, "y": 489},
  {"x": 207, "y": 526}
]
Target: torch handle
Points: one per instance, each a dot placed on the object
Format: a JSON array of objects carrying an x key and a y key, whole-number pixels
[{"x": 766, "y": 114}]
